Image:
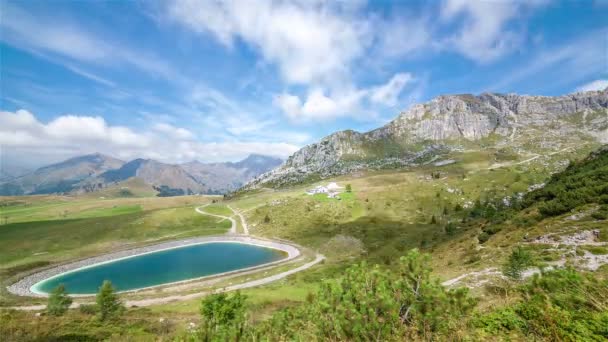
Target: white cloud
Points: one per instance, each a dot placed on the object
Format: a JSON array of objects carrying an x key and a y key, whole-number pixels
[
  {"x": 322, "y": 105},
  {"x": 310, "y": 41},
  {"x": 485, "y": 34},
  {"x": 318, "y": 44},
  {"x": 594, "y": 85},
  {"x": 388, "y": 94},
  {"x": 172, "y": 131},
  {"x": 24, "y": 137},
  {"x": 583, "y": 54},
  {"x": 289, "y": 104},
  {"x": 403, "y": 35}
]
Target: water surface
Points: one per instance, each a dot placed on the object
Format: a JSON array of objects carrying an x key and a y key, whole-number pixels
[{"x": 163, "y": 267}]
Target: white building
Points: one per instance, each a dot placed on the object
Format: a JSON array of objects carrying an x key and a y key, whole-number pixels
[
  {"x": 318, "y": 190},
  {"x": 332, "y": 190},
  {"x": 334, "y": 187}
]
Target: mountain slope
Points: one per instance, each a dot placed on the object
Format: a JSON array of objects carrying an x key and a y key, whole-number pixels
[
  {"x": 523, "y": 124},
  {"x": 94, "y": 172},
  {"x": 223, "y": 177},
  {"x": 60, "y": 177},
  {"x": 154, "y": 173}
]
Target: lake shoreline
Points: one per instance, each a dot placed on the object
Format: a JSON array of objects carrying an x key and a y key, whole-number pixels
[{"x": 25, "y": 286}]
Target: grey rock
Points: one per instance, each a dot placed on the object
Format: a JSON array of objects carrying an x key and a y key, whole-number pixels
[{"x": 448, "y": 123}]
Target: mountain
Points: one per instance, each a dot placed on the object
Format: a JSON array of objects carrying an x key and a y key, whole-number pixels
[
  {"x": 223, "y": 177},
  {"x": 9, "y": 172},
  {"x": 154, "y": 173},
  {"x": 521, "y": 123},
  {"x": 60, "y": 177},
  {"x": 96, "y": 171}
]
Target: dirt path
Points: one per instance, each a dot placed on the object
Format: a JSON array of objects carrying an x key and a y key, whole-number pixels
[
  {"x": 243, "y": 222},
  {"x": 536, "y": 156},
  {"x": 232, "y": 228}
]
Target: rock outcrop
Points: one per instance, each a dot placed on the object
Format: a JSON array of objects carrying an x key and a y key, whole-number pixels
[{"x": 447, "y": 123}]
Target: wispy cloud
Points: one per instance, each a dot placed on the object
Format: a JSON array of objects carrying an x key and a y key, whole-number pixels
[
  {"x": 583, "y": 58},
  {"x": 321, "y": 44},
  {"x": 323, "y": 105},
  {"x": 593, "y": 85},
  {"x": 308, "y": 41},
  {"x": 43, "y": 34},
  {"x": 484, "y": 34}
]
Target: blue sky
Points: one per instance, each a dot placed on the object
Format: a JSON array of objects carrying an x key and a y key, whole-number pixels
[{"x": 214, "y": 81}]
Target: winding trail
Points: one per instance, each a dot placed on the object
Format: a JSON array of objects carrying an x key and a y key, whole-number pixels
[
  {"x": 243, "y": 222},
  {"x": 536, "y": 156},
  {"x": 232, "y": 230},
  {"x": 176, "y": 298}
]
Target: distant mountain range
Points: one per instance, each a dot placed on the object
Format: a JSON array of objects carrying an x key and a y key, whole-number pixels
[
  {"x": 518, "y": 124},
  {"x": 94, "y": 172}
]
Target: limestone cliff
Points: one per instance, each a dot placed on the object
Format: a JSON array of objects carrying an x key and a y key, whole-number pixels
[{"x": 452, "y": 122}]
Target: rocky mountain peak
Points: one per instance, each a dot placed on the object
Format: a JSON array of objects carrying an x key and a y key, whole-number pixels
[{"x": 449, "y": 121}]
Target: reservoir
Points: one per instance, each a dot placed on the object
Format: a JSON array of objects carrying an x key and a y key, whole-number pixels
[{"x": 163, "y": 267}]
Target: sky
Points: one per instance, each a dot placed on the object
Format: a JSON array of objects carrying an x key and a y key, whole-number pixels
[{"x": 215, "y": 81}]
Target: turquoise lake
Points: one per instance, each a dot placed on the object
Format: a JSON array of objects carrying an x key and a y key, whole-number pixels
[{"x": 164, "y": 267}]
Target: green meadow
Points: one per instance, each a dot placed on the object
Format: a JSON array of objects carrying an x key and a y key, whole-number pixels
[{"x": 445, "y": 211}]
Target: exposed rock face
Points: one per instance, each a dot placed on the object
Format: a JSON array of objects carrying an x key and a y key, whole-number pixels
[
  {"x": 476, "y": 117},
  {"x": 449, "y": 122}
]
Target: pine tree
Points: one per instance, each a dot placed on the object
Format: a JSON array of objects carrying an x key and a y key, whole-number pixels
[
  {"x": 349, "y": 188},
  {"x": 108, "y": 303},
  {"x": 59, "y": 301},
  {"x": 517, "y": 263}
]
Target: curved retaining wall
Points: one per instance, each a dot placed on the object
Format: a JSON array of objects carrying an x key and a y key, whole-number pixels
[{"x": 24, "y": 286}]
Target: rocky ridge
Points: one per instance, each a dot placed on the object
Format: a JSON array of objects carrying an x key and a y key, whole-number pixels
[{"x": 448, "y": 123}]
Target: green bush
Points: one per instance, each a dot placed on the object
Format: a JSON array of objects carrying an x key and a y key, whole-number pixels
[
  {"x": 559, "y": 305},
  {"x": 59, "y": 302},
  {"x": 601, "y": 214},
  {"x": 88, "y": 309},
  {"x": 581, "y": 183},
  {"x": 483, "y": 237},
  {"x": 373, "y": 303},
  {"x": 451, "y": 228},
  {"x": 223, "y": 317},
  {"x": 500, "y": 321}
]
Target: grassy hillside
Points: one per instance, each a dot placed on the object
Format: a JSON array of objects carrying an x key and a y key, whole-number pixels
[
  {"x": 583, "y": 182},
  {"x": 468, "y": 215}
]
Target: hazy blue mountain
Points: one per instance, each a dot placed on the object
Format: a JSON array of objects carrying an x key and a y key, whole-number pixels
[
  {"x": 60, "y": 177},
  {"x": 154, "y": 173},
  {"x": 96, "y": 171},
  {"x": 224, "y": 177}
]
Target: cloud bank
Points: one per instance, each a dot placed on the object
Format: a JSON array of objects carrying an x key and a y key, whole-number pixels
[{"x": 22, "y": 134}]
